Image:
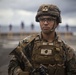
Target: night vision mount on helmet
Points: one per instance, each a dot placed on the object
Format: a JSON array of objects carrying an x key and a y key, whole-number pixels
[{"x": 45, "y": 10}]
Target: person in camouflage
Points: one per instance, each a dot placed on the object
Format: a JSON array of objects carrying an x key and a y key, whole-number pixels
[{"x": 44, "y": 53}]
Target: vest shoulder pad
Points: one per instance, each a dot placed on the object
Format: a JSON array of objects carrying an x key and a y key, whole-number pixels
[{"x": 24, "y": 43}]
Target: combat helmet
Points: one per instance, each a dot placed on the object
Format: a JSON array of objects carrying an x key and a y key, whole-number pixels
[{"x": 48, "y": 9}]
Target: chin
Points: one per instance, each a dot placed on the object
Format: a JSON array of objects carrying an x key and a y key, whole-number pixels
[{"x": 46, "y": 32}]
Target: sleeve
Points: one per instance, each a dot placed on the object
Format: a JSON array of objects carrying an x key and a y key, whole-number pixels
[
  {"x": 70, "y": 61},
  {"x": 16, "y": 64},
  {"x": 14, "y": 67},
  {"x": 21, "y": 57}
]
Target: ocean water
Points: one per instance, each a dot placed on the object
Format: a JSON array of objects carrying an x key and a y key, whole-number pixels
[{"x": 17, "y": 29}]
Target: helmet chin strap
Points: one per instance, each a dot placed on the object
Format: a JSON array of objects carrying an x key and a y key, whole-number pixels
[{"x": 53, "y": 28}]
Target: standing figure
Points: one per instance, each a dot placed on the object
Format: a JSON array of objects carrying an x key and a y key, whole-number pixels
[
  {"x": 44, "y": 53},
  {"x": 32, "y": 26}
]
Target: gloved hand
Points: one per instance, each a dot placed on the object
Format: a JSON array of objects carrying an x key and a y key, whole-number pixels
[{"x": 23, "y": 73}]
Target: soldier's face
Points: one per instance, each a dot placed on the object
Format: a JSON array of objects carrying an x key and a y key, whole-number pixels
[{"x": 46, "y": 23}]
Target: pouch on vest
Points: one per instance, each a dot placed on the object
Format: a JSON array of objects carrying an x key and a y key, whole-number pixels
[
  {"x": 60, "y": 70},
  {"x": 51, "y": 69}
]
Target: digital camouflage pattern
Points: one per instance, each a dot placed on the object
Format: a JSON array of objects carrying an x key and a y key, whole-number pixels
[{"x": 58, "y": 57}]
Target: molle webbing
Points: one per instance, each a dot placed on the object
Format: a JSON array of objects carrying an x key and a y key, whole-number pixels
[{"x": 51, "y": 55}]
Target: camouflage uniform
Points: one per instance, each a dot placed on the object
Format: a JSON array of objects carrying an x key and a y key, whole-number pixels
[
  {"x": 56, "y": 56},
  {"x": 59, "y": 56}
]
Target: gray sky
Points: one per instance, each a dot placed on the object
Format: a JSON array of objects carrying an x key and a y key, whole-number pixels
[{"x": 15, "y": 11}]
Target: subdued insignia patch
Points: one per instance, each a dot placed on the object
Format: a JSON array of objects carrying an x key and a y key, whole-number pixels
[{"x": 46, "y": 51}]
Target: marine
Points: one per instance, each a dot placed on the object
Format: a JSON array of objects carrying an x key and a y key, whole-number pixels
[{"x": 44, "y": 53}]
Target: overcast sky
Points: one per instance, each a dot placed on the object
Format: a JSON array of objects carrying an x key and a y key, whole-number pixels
[{"x": 15, "y": 11}]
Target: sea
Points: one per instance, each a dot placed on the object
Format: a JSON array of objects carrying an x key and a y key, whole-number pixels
[{"x": 18, "y": 29}]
